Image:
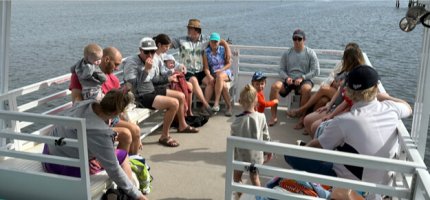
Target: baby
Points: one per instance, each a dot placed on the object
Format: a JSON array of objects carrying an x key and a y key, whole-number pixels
[{"x": 89, "y": 73}]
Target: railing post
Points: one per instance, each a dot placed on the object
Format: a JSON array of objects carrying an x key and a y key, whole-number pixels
[
  {"x": 229, "y": 170},
  {"x": 235, "y": 63},
  {"x": 5, "y": 14},
  {"x": 421, "y": 114}
]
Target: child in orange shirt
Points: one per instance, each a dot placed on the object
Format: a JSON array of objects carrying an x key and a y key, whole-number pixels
[{"x": 259, "y": 82}]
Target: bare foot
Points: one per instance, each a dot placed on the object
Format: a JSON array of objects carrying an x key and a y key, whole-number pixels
[{"x": 299, "y": 126}]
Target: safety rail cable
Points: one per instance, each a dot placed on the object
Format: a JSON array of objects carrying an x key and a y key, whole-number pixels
[{"x": 318, "y": 154}]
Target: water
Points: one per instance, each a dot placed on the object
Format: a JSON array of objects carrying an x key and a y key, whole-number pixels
[{"x": 47, "y": 37}]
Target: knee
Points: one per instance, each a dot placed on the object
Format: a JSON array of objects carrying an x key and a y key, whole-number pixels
[
  {"x": 307, "y": 121},
  {"x": 306, "y": 88},
  {"x": 276, "y": 86},
  {"x": 136, "y": 131},
  {"x": 124, "y": 136}
]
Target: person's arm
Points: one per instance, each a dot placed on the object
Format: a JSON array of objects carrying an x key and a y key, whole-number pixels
[
  {"x": 261, "y": 101},
  {"x": 227, "y": 63},
  {"x": 102, "y": 147},
  {"x": 227, "y": 50},
  {"x": 283, "y": 67},
  {"x": 98, "y": 75},
  {"x": 314, "y": 143},
  {"x": 75, "y": 87},
  {"x": 314, "y": 66},
  {"x": 402, "y": 107},
  {"x": 131, "y": 74},
  {"x": 206, "y": 65}
]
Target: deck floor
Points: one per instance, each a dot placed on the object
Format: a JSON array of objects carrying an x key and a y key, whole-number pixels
[{"x": 196, "y": 169}]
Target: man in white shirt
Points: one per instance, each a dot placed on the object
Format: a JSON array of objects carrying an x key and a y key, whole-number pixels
[{"x": 369, "y": 129}]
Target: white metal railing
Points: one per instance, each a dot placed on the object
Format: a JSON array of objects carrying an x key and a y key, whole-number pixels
[
  {"x": 416, "y": 168},
  {"x": 20, "y": 182}
]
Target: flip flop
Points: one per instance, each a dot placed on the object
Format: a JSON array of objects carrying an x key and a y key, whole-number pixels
[
  {"x": 189, "y": 129},
  {"x": 273, "y": 122},
  {"x": 168, "y": 142}
]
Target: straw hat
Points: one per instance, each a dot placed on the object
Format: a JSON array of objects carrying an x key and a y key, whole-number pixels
[{"x": 194, "y": 23}]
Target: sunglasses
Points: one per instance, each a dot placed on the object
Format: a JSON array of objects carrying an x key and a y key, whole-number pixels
[
  {"x": 297, "y": 39},
  {"x": 152, "y": 52}
]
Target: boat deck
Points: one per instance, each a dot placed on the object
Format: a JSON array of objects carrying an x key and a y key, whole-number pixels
[{"x": 196, "y": 169}]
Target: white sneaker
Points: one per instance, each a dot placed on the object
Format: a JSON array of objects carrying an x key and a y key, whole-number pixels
[{"x": 215, "y": 108}]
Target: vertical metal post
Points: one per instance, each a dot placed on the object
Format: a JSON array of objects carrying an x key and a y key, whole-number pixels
[
  {"x": 229, "y": 170},
  {"x": 421, "y": 114},
  {"x": 5, "y": 14}
]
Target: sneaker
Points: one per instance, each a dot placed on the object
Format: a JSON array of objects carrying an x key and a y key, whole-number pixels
[
  {"x": 206, "y": 112},
  {"x": 215, "y": 108},
  {"x": 301, "y": 143}
]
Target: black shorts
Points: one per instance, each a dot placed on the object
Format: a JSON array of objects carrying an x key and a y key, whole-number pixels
[
  {"x": 200, "y": 76},
  {"x": 147, "y": 99},
  {"x": 289, "y": 88}
]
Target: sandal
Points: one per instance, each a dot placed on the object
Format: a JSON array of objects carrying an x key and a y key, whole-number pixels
[
  {"x": 189, "y": 129},
  {"x": 273, "y": 122},
  {"x": 168, "y": 142}
]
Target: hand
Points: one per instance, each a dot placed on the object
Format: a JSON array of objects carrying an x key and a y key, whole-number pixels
[
  {"x": 289, "y": 81},
  {"x": 143, "y": 197},
  {"x": 327, "y": 117},
  {"x": 322, "y": 109},
  {"x": 182, "y": 68},
  {"x": 276, "y": 101},
  {"x": 211, "y": 80},
  {"x": 173, "y": 78},
  {"x": 148, "y": 64},
  {"x": 298, "y": 81}
]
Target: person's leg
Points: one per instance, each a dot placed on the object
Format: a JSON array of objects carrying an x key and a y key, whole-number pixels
[
  {"x": 315, "y": 126},
  {"x": 198, "y": 91},
  {"x": 125, "y": 165},
  {"x": 310, "y": 119},
  {"x": 219, "y": 85},
  {"x": 324, "y": 91},
  {"x": 321, "y": 102},
  {"x": 255, "y": 179},
  {"x": 305, "y": 92},
  {"x": 180, "y": 113},
  {"x": 124, "y": 137},
  {"x": 171, "y": 105},
  {"x": 209, "y": 88},
  {"x": 190, "y": 100},
  {"x": 227, "y": 100},
  {"x": 274, "y": 94},
  {"x": 312, "y": 166},
  {"x": 134, "y": 130}
]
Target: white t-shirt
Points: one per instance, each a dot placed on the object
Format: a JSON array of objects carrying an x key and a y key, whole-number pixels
[{"x": 368, "y": 129}]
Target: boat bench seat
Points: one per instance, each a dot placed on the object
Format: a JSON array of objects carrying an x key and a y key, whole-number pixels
[
  {"x": 230, "y": 87},
  {"x": 99, "y": 182}
]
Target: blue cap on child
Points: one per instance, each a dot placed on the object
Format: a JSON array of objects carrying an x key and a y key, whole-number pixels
[{"x": 258, "y": 76}]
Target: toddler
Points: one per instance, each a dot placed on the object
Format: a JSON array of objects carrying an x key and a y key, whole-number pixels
[
  {"x": 250, "y": 124},
  {"x": 259, "y": 82},
  {"x": 89, "y": 73}
]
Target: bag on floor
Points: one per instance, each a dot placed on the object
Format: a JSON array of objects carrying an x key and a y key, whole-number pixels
[
  {"x": 141, "y": 170},
  {"x": 196, "y": 121},
  {"x": 115, "y": 194}
]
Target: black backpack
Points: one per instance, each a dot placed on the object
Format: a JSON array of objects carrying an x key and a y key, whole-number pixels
[{"x": 196, "y": 121}]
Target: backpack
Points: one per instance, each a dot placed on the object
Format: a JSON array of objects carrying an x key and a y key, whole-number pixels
[
  {"x": 196, "y": 121},
  {"x": 141, "y": 170}
]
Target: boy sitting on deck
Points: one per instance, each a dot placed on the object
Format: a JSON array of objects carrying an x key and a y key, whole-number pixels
[
  {"x": 250, "y": 124},
  {"x": 259, "y": 82}
]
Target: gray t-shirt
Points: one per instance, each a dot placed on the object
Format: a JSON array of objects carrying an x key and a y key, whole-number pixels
[
  {"x": 99, "y": 142},
  {"x": 302, "y": 64}
]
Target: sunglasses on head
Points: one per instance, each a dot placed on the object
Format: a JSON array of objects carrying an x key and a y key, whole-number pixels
[
  {"x": 149, "y": 52},
  {"x": 297, "y": 39}
]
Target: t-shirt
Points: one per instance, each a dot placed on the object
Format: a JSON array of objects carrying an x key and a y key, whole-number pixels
[
  {"x": 369, "y": 129},
  {"x": 112, "y": 82}
]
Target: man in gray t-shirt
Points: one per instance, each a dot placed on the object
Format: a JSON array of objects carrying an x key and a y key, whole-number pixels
[{"x": 298, "y": 65}]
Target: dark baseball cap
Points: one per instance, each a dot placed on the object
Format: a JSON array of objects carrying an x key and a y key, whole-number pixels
[
  {"x": 258, "y": 76},
  {"x": 362, "y": 77}
]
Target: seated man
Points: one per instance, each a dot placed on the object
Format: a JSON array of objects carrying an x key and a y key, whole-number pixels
[
  {"x": 298, "y": 65},
  {"x": 369, "y": 128}
]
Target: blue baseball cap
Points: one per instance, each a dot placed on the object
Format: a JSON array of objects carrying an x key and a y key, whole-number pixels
[
  {"x": 258, "y": 76},
  {"x": 215, "y": 36}
]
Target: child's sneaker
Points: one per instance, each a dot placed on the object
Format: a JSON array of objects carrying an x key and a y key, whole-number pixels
[{"x": 215, "y": 108}]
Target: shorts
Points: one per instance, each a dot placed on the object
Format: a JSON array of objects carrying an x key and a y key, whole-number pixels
[
  {"x": 289, "y": 88},
  {"x": 200, "y": 76},
  {"x": 75, "y": 171},
  {"x": 147, "y": 99}
]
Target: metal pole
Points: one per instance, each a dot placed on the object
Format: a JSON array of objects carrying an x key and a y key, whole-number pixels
[
  {"x": 421, "y": 115},
  {"x": 5, "y": 14}
]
